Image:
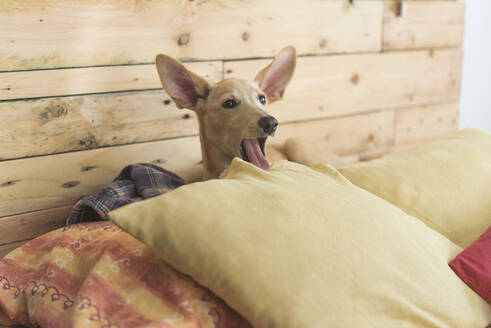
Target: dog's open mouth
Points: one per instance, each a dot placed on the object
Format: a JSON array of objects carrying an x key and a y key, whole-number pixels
[{"x": 252, "y": 151}]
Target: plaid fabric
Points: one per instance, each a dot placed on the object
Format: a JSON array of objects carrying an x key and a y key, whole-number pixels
[{"x": 135, "y": 182}]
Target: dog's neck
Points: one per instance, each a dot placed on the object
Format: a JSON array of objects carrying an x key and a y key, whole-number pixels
[{"x": 214, "y": 160}]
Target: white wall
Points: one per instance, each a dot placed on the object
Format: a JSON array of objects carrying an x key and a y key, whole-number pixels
[{"x": 475, "y": 103}]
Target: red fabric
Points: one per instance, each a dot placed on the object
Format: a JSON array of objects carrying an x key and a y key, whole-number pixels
[{"x": 473, "y": 265}]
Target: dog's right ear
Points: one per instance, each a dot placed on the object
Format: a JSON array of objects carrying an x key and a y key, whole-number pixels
[{"x": 183, "y": 86}]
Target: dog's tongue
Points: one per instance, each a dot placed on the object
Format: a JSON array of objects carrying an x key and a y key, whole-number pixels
[{"x": 254, "y": 153}]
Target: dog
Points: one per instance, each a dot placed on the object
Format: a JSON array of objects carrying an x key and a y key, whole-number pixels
[{"x": 232, "y": 116}]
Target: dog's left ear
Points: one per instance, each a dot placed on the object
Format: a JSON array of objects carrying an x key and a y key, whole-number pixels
[{"x": 274, "y": 78}]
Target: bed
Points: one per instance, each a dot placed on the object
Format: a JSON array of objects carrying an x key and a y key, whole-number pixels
[{"x": 77, "y": 107}]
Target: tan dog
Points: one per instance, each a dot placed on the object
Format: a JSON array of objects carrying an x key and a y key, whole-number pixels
[{"x": 232, "y": 116}]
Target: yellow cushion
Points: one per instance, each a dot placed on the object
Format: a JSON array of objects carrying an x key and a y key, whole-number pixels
[
  {"x": 295, "y": 247},
  {"x": 446, "y": 183}
]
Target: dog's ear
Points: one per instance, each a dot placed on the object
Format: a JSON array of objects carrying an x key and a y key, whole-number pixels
[
  {"x": 183, "y": 86},
  {"x": 274, "y": 78}
]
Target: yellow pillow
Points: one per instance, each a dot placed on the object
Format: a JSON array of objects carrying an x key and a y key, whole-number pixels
[
  {"x": 293, "y": 247},
  {"x": 446, "y": 183}
]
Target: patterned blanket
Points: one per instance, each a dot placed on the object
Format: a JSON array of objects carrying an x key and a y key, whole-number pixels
[
  {"x": 135, "y": 182},
  {"x": 94, "y": 275}
]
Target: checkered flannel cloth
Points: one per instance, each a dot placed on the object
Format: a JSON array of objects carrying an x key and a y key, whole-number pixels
[{"x": 135, "y": 182}]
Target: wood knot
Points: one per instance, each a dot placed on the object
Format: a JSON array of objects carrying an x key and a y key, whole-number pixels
[
  {"x": 355, "y": 79},
  {"x": 166, "y": 102},
  {"x": 159, "y": 161},
  {"x": 9, "y": 183},
  {"x": 70, "y": 184},
  {"x": 183, "y": 39},
  {"x": 245, "y": 36},
  {"x": 186, "y": 116},
  {"x": 54, "y": 110},
  {"x": 87, "y": 168},
  {"x": 401, "y": 8},
  {"x": 89, "y": 142},
  {"x": 228, "y": 71},
  {"x": 322, "y": 43}
]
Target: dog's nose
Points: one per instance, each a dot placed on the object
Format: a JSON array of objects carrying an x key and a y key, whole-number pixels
[{"x": 268, "y": 124}]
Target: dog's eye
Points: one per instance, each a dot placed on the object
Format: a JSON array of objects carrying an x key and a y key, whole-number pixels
[
  {"x": 229, "y": 104},
  {"x": 262, "y": 99}
]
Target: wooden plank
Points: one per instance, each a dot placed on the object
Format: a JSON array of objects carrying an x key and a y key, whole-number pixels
[
  {"x": 48, "y": 83},
  {"x": 7, "y": 248},
  {"x": 347, "y": 72},
  {"x": 413, "y": 124},
  {"x": 59, "y": 180},
  {"x": 423, "y": 24},
  {"x": 48, "y": 33},
  {"x": 322, "y": 87},
  {"x": 57, "y": 125},
  {"x": 30, "y": 225},
  {"x": 340, "y": 85},
  {"x": 344, "y": 135}
]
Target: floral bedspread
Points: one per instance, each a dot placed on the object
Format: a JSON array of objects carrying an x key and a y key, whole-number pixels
[{"x": 96, "y": 275}]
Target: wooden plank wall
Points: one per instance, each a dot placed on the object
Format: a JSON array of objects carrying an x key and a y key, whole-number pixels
[{"x": 80, "y": 98}]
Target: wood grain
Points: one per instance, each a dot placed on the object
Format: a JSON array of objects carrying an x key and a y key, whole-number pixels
[
  {"x": 322, "y": 87},
  {"x": 344, "y": 135},
  {"x": 424, "y": 24},
  {"x": 48, "y": 33},
  {"x": 49, "y": 83},
  {"x": 329, "y": 75},
  {"x": 55, "y": 125},
  {"x": 30, "y": 225},
  {"x": 59, "y": 180},
  {"x": 420, "y": 123},
  {"x": 52, "y": 125},
  {"x": 340, "y": 85}
]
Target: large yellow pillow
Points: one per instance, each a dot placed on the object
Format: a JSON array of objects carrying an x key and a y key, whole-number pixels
[
  {"x": 446, "y": 183},
  {"x": 293, "y": 247}
]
